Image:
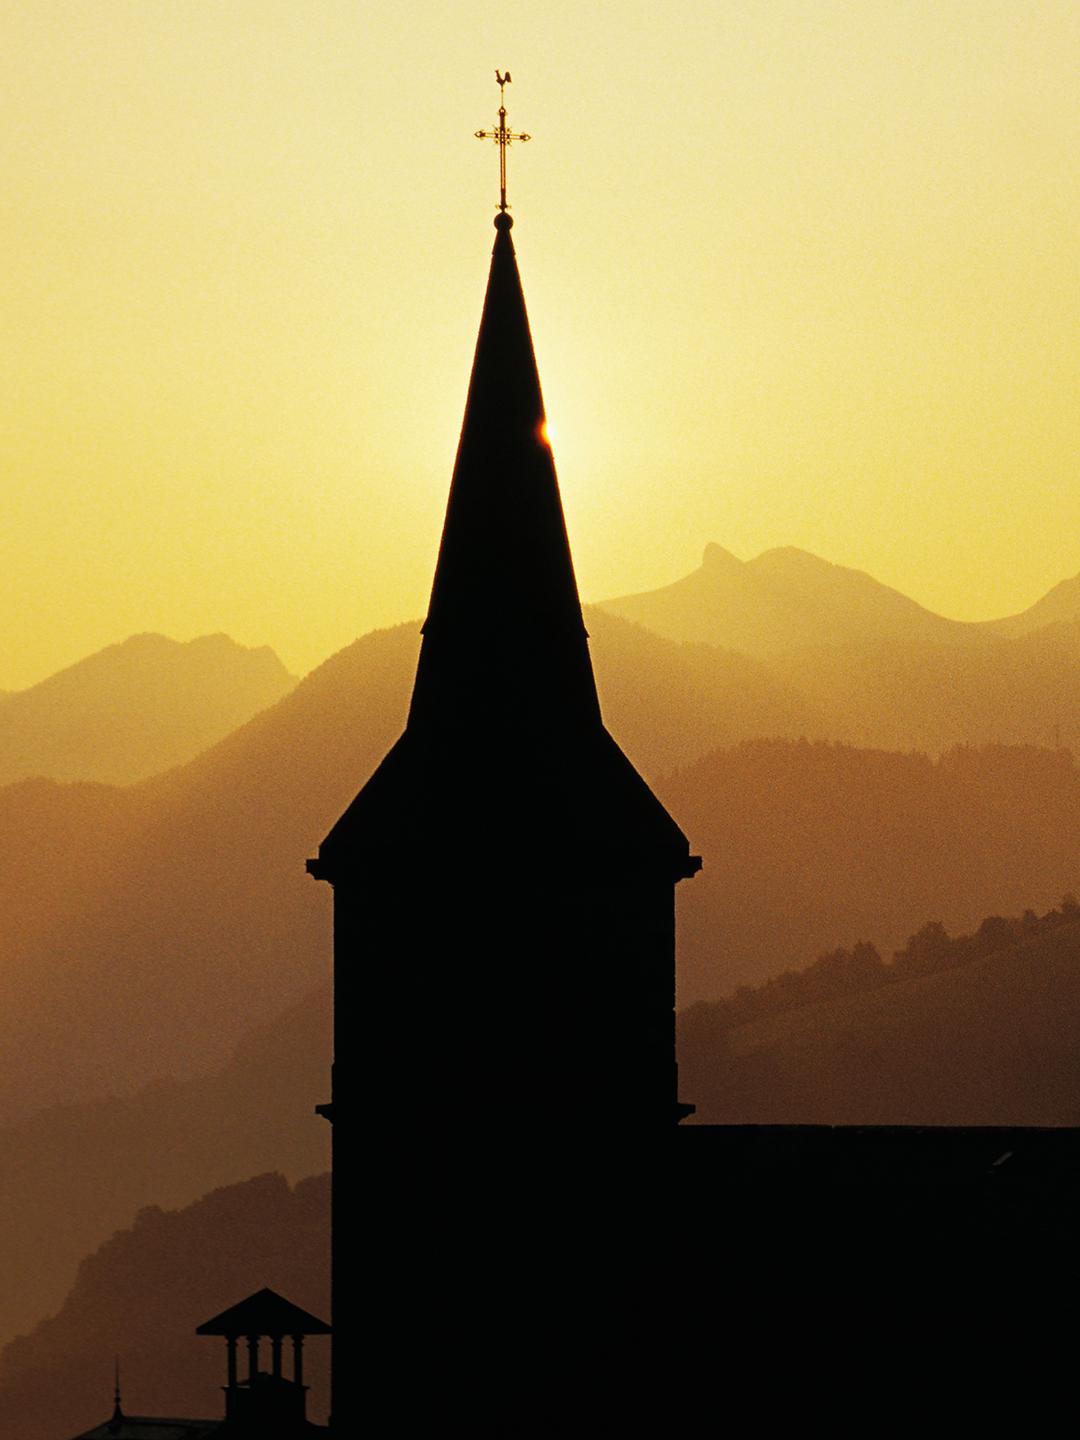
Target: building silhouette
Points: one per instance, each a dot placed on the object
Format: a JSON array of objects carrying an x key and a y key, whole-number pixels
[
  {"x": 504, "y": 882},
  {"x": 547, "y": 1250},
  {"x": 261, "y": 1403},
  {"x": 546, "y": 865},
  {"x": 525, "y": 1240}
]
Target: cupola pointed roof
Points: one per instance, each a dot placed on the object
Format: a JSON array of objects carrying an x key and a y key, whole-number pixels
[
  {"x": 504, "y": 740},
  {"x": 264, "y": 1313}
]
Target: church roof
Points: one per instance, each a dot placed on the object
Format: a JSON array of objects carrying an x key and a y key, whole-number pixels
[
  {"x": 504, "y": 743},
  {"x": 148, "y": 1427},
  {"x": 264, "y": 1313}
]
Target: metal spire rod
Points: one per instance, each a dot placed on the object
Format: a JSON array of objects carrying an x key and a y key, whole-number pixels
[
  {"x": 502, "y": 137},
  {"x": 118, "y": 1413}
]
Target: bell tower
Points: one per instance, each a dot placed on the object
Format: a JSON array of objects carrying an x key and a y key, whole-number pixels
[{"x": 504, "y": 931}]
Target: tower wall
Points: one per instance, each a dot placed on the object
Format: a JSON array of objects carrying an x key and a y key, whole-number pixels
[
  {"x": 531, "y": 1001},
  {"x": 504, "y": 1089}
]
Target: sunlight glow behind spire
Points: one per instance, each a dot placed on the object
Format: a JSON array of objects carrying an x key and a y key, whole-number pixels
[{"x": 846, "y": 322}]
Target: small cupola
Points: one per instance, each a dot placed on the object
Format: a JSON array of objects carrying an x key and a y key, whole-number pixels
[{"x": 266, "y": 1401}]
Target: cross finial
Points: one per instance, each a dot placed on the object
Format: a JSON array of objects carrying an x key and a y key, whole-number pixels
[{"x": 502, "y": 137}]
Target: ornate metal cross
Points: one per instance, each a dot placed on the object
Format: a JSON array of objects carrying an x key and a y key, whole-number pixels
[{"x": 502, "y": 137}]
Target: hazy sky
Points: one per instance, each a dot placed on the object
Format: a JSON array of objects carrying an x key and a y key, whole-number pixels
[{"x": 800, "y": 272}]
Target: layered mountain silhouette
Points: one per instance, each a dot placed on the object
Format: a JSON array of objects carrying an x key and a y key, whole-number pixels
[
  {"x": 167, "y": 1144},
  {"x": 993, "y": 1041},
  {"x": 140, "y": 1296},
  {"x": 988, "y": 1034},
  {"x": 887, "y": 671},
  {"x": 915, "y": 695},
  {"x": 787, "y": 599},
  {"x": 1060, "y": 604},
  {"x": 808, "y": 846},
  {"x": 783, "y": 600},
  {"x": 136, "y": 708},
  {"x": 148, "y": 928}
]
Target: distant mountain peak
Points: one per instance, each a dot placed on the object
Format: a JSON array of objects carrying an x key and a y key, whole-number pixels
[
  {"x": 717, "y": 558},
  {"x": 215, "y": 640},
  {"x": 1060, "y": 603},
  {"x": 785, "y": 599},
  {"x": 137, "y": 707},
  {"x": 791, "y": 555}
]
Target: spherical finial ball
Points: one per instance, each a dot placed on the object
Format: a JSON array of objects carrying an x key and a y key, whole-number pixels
[{"x": 503, "y": 221}]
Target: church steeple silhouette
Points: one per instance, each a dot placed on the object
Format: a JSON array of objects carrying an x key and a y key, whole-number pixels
[
  {"x": 506, "y": 875},
  {"x": 504, "y": 643},
  {"x": 504, "y": 882}
]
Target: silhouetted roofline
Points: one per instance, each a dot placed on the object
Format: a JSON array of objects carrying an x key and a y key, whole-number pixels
[
  {"x": 152, "y": 1427},
  {"x": 264, "y": 1313}
]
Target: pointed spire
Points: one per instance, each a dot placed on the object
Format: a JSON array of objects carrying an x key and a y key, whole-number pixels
[{"x": 504, "y": 608}]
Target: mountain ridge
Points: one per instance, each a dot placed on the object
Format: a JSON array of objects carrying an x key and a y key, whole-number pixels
[
  {"x": 759, "y": 606},
  {"x": 1061, "y": 603},
  {"x": 147, "y": 925},
  {"x": 136, "y": 708},
  {"x": 988, "y": 1042},
  {"x": 140, "y": 1296},
  {"x": 166, "y": 1144}
]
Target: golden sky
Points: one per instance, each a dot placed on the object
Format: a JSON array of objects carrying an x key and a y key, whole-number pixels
[{"x": 800, "y": 272}]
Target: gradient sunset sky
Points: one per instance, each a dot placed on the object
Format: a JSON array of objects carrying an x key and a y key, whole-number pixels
[{"x": 800, "y": 272}]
